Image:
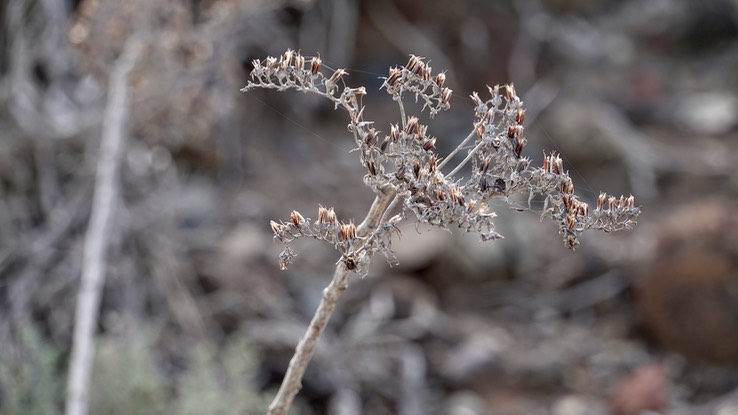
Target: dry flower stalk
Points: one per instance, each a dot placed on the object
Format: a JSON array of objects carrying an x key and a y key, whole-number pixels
[{"x": 404, "y": 170}]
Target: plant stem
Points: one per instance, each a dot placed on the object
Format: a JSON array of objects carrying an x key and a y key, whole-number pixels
[
  {"x": 466, "y": 160},
  {"x": 98, "y": 231},
  {"x": 456, "y": 150},
  {"x": 292, "y": 382}
]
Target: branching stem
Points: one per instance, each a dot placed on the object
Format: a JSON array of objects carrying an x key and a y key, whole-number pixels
[
  {"x": 456, "y": 150},
  {"x": 466, "y": 160},
  {"x": 292, "y": 381}
]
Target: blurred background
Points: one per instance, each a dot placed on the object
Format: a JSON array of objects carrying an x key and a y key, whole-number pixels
[{"x": 196, "y": 318}]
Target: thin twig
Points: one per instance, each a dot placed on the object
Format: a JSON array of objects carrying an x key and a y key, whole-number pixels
[
  {"x": 466, "y": 160},
  {"x": 98, "y": 231},
  {"x": 456, "y": 150}
]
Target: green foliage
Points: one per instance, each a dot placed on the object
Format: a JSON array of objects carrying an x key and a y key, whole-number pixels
[
  {"x": 126, "y": 379},
  {"x": 219, "y": 383},
  {"x": 29, "y": 384}
]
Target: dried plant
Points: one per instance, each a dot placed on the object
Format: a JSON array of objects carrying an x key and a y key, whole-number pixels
[{"x": 406, "y": 174}]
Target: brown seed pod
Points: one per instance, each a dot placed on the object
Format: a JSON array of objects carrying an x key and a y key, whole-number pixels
[
  {"x": 315, "y": 65},
  {"x": 520, "y": 117},
  {"x": 441, "y": 79},
  {"x": 520, "y": 143},
  {"x": 350, "y": 263},
  {"x": 372, "y": 168},
  {"x": 297, "y": 218}
]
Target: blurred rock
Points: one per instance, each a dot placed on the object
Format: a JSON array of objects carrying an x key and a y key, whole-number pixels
[
  {"x": 688, "y": 292},
  {"x": 465, "y": 403},
  {"x": 644, "y": 389},
  {"x": 710, "y": 113},
  {"x": 577, "y": 405}
]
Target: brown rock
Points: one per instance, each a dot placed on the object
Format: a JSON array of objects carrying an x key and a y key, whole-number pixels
[{"x": 688, "y": 294}]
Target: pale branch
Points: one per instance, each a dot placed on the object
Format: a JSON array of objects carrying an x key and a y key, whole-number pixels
[{"x": 98, "y": 231}]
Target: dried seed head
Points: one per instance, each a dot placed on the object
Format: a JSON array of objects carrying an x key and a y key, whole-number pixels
[
  {"x": 287, "y": 56},
  {"x": 394, "y": 75},
  {"x": 384, "y": 144},
  {"x": 415, "y": 64},
  {"x": 337, "y": 75},
  {"x": 611, "y": 202},
  {"x": 567, "y": 186},
  {"x": 558, "y": 165},
  {"x": 357, "y": 91},
  {"x": 422, "y": 130},
  {"x": 315, "y": 63},
  {"x": 485, "y": 164},
  {"x": 489, "y": 116},
  {"x": 567, "y": 200},
  {"x": 571, "y": 221},
  {"x": 441, "y": 79},
  {"x": 510, "y": 92},
  {"x": 412, "y": 126},
  {"x": 257, "y": 68},
  {"x": 630, "y": 202},
  {"x": 553, "y": 164},
  {"x": 277, "y": 228},
  {"x": 432, "y": 164},
  {"x": 471, "y": 206},
  {"x": 429, "y": 144},
  {"x": 326, "y": 216},
  {"x": 394, "y": 133},
  {"x": 416, "y": 170},
  {"x": 512, "y": 131},
  {"x": 480, "y": 130},
  {"x": 475, "y": 99},
  {"x": 601, "y": 201},
  {"x": 520, "y": 117},
  {"x": 571, "y": 241},
  {"x": 456, "y": 196},
  {"x": 299, "y": 61},
  {"x": 446, "y": 95},
  {"x": 426, "y": 73},
  {"x": 372, "y": 167},
  {"x": 520, "y": 143},
  {"x": 348, "y": 231},
  {"x": 370, "y": 136},
  {"x": 297, "y": 218},
  {"x": 583, "y": 209}
]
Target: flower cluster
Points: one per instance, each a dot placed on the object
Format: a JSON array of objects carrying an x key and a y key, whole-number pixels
[
  {"x": 417, "y": 77},
  {"x": 403, "y": 163},
  {"x": 343, "y": 237}
]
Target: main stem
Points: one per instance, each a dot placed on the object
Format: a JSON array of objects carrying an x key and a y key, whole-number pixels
[{"x": 292, "y": 382}]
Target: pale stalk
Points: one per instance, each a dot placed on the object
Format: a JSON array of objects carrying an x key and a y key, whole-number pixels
[
  {"x": 466, "y": 160},
  {"x": 98, "y": 231},
  {"x": 456, "y": 150}
]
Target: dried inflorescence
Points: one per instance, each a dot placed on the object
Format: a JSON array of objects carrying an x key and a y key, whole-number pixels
[
  {"x": 343, "y": 236},
  {"x": 403, "y": 163}
]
